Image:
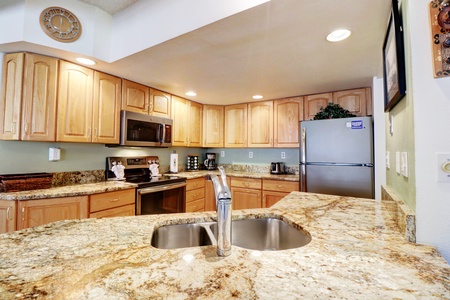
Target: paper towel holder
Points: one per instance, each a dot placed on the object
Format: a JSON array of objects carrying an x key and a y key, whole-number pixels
[{"x": 173, "y": 163}]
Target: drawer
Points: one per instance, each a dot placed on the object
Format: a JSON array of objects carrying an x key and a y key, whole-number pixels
[
  {"x": 111, "y": 199},
  {"x": 197, "y": 205},
  {"x": 280, "y": 185},
  {"x": 248, "y": 183},
  {"x": 192, "y": 184},
  {"x": 195, "y": 195},
  {"x": 123, "y": 211}
]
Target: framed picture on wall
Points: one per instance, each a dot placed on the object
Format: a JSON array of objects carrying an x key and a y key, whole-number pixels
[{"x": 394, "y": 60}]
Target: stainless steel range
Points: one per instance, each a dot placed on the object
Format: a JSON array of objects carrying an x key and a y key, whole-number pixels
[{"x": 154, "y": 194}]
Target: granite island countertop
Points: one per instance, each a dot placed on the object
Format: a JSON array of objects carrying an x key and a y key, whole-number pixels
[{"x": 356, "y": 252}]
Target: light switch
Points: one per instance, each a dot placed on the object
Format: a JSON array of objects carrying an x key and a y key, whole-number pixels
[
  {"x": 397, "y": 162},
  {"x": 388, "y": 160},
  {"x": 404, "y": 163},
  {"x": 54, "y": 154}
]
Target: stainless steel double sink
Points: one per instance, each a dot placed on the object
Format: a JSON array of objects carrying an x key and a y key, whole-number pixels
[{"x": 256, "y": 234}]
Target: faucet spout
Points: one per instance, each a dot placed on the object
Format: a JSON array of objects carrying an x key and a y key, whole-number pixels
[{"x": 224, "y": 208}]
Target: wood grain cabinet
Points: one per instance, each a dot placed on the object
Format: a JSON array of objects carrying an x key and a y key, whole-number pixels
[
  {"x": 313, "y": 104},
  {"x": 7, "y": 216},
  {"x": 112, "y": 204},
  {"x": 28, "y": 100},
  {"x": 135, "y": 97},
  {"x": 246, "y": 193},
  {"x": 159, "y": 103},
  {"x": 236, "y": 126},
  {"x": 355, "y": 101},
  {"x": 275, "y": 190},
  {"x": 33, "y": 213},
  {"x": 187, "y": 122},
  {"x": 195, "y": 195},
  {"x": 287, "y": 114},
  {"x": 260, "y": 124},
  {"x": 213, "y": 123},
  {"x": 195, "y": 121}
]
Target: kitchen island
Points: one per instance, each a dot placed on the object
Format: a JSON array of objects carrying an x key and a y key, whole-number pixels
[{"x": 356, "y": 252}]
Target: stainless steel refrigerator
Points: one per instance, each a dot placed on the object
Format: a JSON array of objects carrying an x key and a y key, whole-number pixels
[{"x": 336, "y": 157}]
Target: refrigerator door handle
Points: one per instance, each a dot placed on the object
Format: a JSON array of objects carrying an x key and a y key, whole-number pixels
[
  {"x": 337, "y": 164},
  {"x": 303, "y": 160}
]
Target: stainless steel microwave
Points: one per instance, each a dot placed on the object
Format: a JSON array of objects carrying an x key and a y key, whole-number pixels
[{"x": 141, "y": 130}]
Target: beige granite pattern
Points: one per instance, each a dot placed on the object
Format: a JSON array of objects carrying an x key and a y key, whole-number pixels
[
  {"x": 77, "y": 177},
  {"x": 70, "y": 190},
  {"x": 198, "y": 174},
  {"x": 356, "y": 252}
]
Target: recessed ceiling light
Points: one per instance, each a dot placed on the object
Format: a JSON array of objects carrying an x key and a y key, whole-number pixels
[
  {"x": 338, "y": 35},
  {"x": 85, "y": 61},
  {"x": 191, "y": 93},
  {"x": 257, "y": 97}
]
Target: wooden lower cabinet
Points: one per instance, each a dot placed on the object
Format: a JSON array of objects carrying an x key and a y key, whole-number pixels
[
  {"x": 33, "y": 213},
  {"x": 246, "y": 193},
  {"x": 275, "y": 190},
  {"x": 7, "y": 216},
  {"x": 112, "y": 204},
  {"x": 195, "y": 194}
]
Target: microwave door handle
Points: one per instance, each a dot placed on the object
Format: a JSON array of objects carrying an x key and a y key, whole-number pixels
[{"x": 161, "y": 133}]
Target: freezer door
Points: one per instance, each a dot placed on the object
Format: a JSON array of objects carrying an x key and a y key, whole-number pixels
[
  {"x": 339, "y": 180},
  {"x": 348, "y": 140}
]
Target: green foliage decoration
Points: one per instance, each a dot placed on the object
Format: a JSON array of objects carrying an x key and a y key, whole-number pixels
[{"x": 333, "y": 111}]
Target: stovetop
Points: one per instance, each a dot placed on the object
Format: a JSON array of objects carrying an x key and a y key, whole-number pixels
[{"x": 137, "y": 171}]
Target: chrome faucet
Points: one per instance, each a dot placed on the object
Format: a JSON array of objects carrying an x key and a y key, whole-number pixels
[{"x": 223, "y": 205}]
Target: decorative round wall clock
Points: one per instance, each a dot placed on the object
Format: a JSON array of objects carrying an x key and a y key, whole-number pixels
[{"x": 60, "y": 24}]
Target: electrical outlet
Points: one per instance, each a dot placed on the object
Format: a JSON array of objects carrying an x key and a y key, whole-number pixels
[
  {"x": 283, "y": 155},
  {"x": 250, "y": 154},
  {"x": 397, "y": 162},
  {"x": 404, "y": 163},
  {"x": 222, "y": 153}
]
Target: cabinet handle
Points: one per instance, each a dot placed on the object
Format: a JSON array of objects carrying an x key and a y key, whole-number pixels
[
  {"x": 23, "y": 213},
  {"x": 114, "y": 200},
  {"x": 280, "y": 186},
  {"x": 95, "y": 132},
  {"x": 246, "y": 184},
  {"x": 89, "y": 132},
  {"x": 13, "y": 127},
  {"x": 7, "y": 213},
  {"x": 26, "y": 127}
]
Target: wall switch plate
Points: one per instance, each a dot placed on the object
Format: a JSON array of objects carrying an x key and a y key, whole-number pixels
[
  {"x": 404, "y": 163},
  {"x": 397, "y": 162},
  {"x": 250, "y": 154},
  {"x": 283, "y": 155},
  {"x": 54, "y": 154},
  {"x": 443, "y": 160},
  {"x": 391, "y": 125},
  {"x": 388, "y": 160},
  {"x": 222, "y": 153}
]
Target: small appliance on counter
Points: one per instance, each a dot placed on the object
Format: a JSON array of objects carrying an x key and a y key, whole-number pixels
[
  {"x": 210, "y": 161},
  {"x": 174, "y": 162},
  {"x": 192, "y": 163},
  {"x": 276, "y": 168}
]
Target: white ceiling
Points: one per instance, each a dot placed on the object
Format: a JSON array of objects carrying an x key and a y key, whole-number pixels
[{"x": 277, "y": 49}]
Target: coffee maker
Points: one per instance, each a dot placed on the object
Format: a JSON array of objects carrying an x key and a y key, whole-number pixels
[{"x": 210, "y": 161}]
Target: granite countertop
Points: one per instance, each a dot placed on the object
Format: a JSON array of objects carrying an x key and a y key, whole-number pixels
[
  {"x": 356, "y": 252},
  {"x": 70, "y": 190},
  {"x": 203, "y": 173}
]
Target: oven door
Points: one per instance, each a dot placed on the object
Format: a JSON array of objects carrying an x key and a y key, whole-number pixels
[{"x": 161, "y": 199}]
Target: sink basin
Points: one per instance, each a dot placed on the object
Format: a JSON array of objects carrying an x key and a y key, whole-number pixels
[
  {"x": 182, "y": 235},
  {"x": 256, "y": 234}
]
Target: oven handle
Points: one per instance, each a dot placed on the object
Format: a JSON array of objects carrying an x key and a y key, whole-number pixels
[{"x": 160, "y": 188}]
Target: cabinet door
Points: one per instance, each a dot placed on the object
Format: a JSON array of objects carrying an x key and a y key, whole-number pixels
[
  {"x": 160, "y": 103},
  {"x": 260, "y": 124},
  {"x": 180, "y": 121},
  {"x": 7, "y": 216},
  {"x": 313, "y": 104},
  {"x": 75, "y": 94},
  {"x": 135, "y": 97},
  {"x": 287, "y": 116},
  {"x": 213, "y": 126},
  {"x": 11, "y": 97},
  {"x": 39, "y": 98},
  {"x": 236, "y": 126},
  {"x": 353, "y": 100},
  {"x": 39, "y": 212},
  {"x": 106, "y": 108},
  {"x": 246, "y": 198},
  {"x": 270, "y": 198},
  {"x": 195, "y": 119}
]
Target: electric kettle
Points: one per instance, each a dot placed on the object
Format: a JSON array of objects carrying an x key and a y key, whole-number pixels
[{"x": 276, "y": 168}]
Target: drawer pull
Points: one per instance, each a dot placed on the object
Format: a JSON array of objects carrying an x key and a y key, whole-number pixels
[
  {"x": 280, "y": 186},
  {"x": 114, "y": 200},
  {"x": 246, "y": 184},
  {"x": 23, "y": 213},
  {"x": 7, "y": 213}
]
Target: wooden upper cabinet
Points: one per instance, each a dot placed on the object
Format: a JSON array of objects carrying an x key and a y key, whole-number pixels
[
  {"x": 135, "y": 97},
  {"x": 74, "y": 103},
  {"x": 11, "y": 97},
  {"x": 39, "y": 98},
  {"x": 106, "y": 108},
  {"x": 260, "y": 124},
  {"x": 159, "y": 103},
  {"x": 180, "y": 108},
  {"x": 236, "y": 126},
  {"x": 354, "y": 101},
  {"x": 313, "y": 104},
  {"x": 287, "y": 116},
  {"x": 213, "y": 125},
  {"x": 195, "y": 119}
]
